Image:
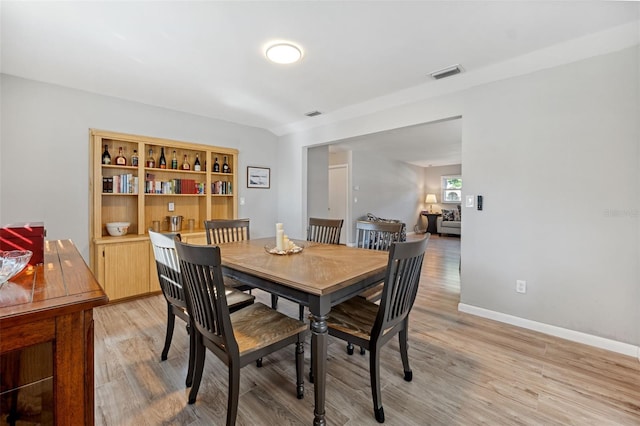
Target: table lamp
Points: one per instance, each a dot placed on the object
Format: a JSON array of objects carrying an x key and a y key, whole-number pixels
[{"x": 431, "y": 200}]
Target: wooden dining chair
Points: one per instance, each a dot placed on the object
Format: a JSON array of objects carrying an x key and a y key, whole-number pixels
[
  {"x": 324, "y": 230},
  {"x": 371, "y": 326},
  {"x": 377, "y": 235},
  {"x": 172, "y": 289},
  {"x": 237, "y": 338},
  {"x": 374, "y": 236},
  {"x": 219, "y": 231}
]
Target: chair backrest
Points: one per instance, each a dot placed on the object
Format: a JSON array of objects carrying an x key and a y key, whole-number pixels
[
  {"x": 324, "y": 230},
  {"x": 400, "y": 284},
  {"x": 164, "y": 251},
  {"x": 226, "y": 230},
  {"x": 206, "y": 301},
  {"x": 377, "y": 235}
]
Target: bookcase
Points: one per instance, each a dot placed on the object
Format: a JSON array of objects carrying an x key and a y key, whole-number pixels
[{"x": 140, "y": 195}]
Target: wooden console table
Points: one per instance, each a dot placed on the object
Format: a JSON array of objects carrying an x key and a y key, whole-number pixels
[
  {"x": 431, "y": 221},
  {"x": 46, "y": 340}
]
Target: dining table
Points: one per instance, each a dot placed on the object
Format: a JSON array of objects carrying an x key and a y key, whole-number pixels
[{"x": 319, "y": 277}]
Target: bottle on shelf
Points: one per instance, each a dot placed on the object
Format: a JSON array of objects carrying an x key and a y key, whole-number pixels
[
  {"x": 106, "y": 157},
  {"x": 185, "y": 164},
  {"x": 174, "y": 160},
  {"x": 225, "y": 166},
  {"x": 134, "y": 158},
  {"x": 216, "y": 166},
  {"x": 120, "y": 159},
  {"x": 151, "y": 162},
  {"x": 162, "y": 163},
  {"x": 196, "y": 164}
]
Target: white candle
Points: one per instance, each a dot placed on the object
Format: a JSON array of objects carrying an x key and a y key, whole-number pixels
[
  {"x": 280, "y": 240},
  {"x": 285, "y": 243},
  {"x": 279, "y": 227}
]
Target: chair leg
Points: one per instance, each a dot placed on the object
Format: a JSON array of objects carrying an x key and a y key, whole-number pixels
[
  {"x": 311, "y": 374},
  {"x": 403, "y": 338},
  {"x": 171, "y": 320},
  {"x": 299, "y": 368},
  {"x": 200, "y": 354},
  {"x": 349, "y": 348},
  {"x": 192, "y": 353},
  {"x": 234, "y": 391},
  {"x": 274, "y": 301},
  {"x": 374, "y": 372}
]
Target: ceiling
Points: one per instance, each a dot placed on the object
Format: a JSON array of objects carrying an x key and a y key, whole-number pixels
[
  {"x": 424, "y": 145},
  {"x": 206, "y": 58}
]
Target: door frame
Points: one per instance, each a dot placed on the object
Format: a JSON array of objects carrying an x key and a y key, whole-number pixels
[{"x": 347, "y": 218}]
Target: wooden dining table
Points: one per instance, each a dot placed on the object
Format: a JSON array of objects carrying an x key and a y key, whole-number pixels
[{"x": 320, "y": 276}]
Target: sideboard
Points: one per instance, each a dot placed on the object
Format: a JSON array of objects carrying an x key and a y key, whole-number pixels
[{"x": 46, "y": 340}]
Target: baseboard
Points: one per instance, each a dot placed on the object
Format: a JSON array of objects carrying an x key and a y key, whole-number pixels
[{"x": 574, "y": 336}]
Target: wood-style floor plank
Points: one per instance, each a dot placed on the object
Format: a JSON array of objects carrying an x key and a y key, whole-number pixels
[{"x": 466, "y": 371}]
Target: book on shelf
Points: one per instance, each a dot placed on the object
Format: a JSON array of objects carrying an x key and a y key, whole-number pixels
[
  {"x": 221, "y": 187},
  {"x": 120, "y": 184},
  {"x": 173, "y": 186}
]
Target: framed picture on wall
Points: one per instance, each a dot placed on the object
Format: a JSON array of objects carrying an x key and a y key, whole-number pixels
[{"x": 258, "y": 177}]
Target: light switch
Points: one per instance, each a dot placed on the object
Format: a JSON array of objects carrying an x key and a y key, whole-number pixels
[
  {"x": 242, "y": 201},
  {"x": 469, "y": 200}
]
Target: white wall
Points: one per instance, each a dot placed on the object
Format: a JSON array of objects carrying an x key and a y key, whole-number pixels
[
  {"x": 44, "y": 172},
  {"x": 555, "y": 154},
  {"x": 318, "y": 179},
  {"x": 388, "y": 189}
]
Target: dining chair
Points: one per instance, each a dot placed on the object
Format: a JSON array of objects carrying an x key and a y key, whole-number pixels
[
  {"x": 219, "y": 231},
  {"x": 374, "y": 236},
  {"x": 324, "y": 230},
  {"x": 172, "y": 289},
  {"x": 377, "y": 235},
  {"x": 237, "y": 338},
  {"x": 371, "y": 326}
]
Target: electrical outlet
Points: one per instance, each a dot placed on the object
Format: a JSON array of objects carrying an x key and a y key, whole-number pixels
[
  {"x": 521, "y": 286},
  {"x": 172, "y": 207},
  {"x": 242, "y": 201}
]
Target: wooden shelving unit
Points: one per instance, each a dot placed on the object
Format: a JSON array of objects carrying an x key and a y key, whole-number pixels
[{"x": 117, "y": 261}]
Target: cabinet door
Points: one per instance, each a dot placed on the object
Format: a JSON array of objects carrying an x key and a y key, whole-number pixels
[
  {"x": 196, "y": 239},
  {"x": 126, "y": 269},
  {"x": 154, "y": 281}
]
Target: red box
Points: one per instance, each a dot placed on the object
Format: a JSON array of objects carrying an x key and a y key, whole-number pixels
[{"x": 24, "y": 236}]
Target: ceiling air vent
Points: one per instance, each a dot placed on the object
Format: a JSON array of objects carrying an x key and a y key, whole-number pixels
[
  {"x": 446, "y": 72},
  {"x": 313, "y": 113}
]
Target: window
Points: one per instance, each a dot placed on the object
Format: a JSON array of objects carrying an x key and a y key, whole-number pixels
[{"x": 452, "y": 189}]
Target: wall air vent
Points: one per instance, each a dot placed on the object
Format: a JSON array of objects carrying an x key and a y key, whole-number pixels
[
  {"x": 446, "y": 72},
  {"x": 313, "y": 113}
]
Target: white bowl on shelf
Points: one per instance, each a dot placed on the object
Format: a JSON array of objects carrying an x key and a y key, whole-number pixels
[{"x": 118, "y": 229}]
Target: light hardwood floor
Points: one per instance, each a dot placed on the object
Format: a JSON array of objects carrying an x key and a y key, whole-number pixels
[{"x": 466, "y": 371}]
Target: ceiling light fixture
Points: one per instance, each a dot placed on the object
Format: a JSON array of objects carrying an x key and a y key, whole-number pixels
[
  {"x": 283, "y": 53},
  {"x": 446, "y": 72}
]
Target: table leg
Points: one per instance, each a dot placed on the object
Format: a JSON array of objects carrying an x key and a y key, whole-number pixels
[{"x": 319, "y": 343}]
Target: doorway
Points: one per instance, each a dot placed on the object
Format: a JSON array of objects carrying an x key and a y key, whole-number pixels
[{"x": 339, "y": 197}]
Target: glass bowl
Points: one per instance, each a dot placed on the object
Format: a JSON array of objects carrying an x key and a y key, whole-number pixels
[
  {"x": 12, "y": 263},
  {"x": 271, "y": 249}
]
